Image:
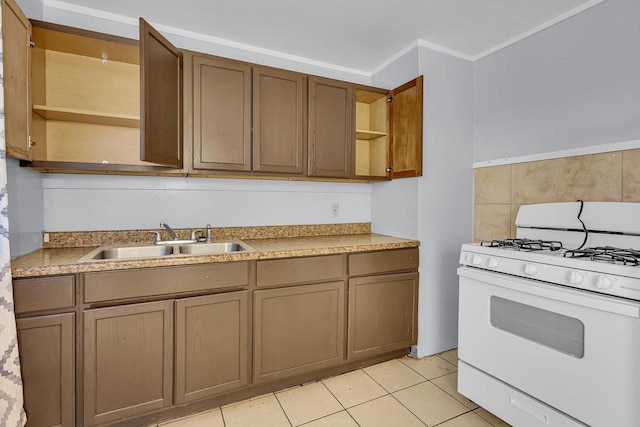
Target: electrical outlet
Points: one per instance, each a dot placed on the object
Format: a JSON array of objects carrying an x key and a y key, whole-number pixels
[{"x": 335, "y": 209}]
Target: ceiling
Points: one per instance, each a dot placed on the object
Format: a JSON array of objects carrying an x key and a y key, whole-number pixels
[{"x": 354, "y": 34}]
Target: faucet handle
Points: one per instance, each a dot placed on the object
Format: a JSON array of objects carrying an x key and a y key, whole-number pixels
[
  {"x": 194, "y": 234},
  {"x": 157, "y": 238}
]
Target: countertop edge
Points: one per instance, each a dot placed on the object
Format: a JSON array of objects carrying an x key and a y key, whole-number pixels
[{"x": 258, "y": 254}]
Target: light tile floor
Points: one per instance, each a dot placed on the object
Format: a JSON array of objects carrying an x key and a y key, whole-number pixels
[{"x": 400, "y": 393}]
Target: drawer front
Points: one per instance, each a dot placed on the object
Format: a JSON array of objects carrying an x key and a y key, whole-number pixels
[
  {"x": 125, "y": 284},
  {"x": 43, "y": 293},
  {"x": 383, "y": 261},
  {"x": 299, "y": 270}
]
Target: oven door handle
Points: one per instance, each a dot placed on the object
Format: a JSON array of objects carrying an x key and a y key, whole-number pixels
[{"x": 554, "y": 292}]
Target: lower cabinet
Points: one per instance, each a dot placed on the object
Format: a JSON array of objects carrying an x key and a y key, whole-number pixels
[
  {"x": 298, "y": 329},
  {"x": 211, "y": 345},
  {"x": 383, "y": 314},
  {"x": 128, "y": 360},
  {"x": 47, "y": 364}
]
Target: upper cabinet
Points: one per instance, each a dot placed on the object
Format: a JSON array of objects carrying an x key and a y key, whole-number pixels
[
  {"x": 16, "y": 39},
  {"x": 221, "y": 111},
  {"x": 389, "y": 131},
  {"x": 279, "y": 121},
  {"x": 161, "y": 98},
  {"x": 331, "y": 131},
  {"x": 104, "y": 103},
  {"x": 247, "y": 118}
]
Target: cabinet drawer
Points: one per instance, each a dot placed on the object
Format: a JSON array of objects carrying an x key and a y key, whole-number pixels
[
  {"x": 125, "y": 284},
  {"x": 43, "y": 293},
  {"x": 383, "y": 261},
  {"x": 299, "y": 270}
]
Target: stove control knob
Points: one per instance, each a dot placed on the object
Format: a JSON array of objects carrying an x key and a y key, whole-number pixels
[
  {"x": 530, "y": 270},
  {"x": 575, "y": 277},
  {"x": 493, "y": 262},
  {"x": 476, "y": 260},
  {"x": 604, "y": 282}
]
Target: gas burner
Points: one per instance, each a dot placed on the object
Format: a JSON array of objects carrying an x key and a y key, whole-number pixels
[
  {"x": 607, "y": 254},
  {"x": 523, "y": 244}
]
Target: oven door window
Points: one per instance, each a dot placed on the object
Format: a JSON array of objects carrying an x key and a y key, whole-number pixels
[{"x": 553, "y": 330}]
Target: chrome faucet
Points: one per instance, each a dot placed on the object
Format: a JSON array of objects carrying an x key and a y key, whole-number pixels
[{"x": 169, "y": 230}]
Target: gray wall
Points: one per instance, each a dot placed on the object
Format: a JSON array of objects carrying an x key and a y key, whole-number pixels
[
  {"x": 26, "y": 207},
  {"x": 445, "y": 195},
  {"x": 437, "y": 207},
  {"x": 575, "y": 84}
]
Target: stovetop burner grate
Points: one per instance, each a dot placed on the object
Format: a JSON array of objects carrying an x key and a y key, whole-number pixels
[
  {"x": 524, "y": 244},
  {"x": 607, "y": 254}
]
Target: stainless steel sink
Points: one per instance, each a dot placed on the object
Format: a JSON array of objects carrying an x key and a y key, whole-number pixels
[
  {"x": 128, "y": 252},
  {"x": 215, "y": 248}
]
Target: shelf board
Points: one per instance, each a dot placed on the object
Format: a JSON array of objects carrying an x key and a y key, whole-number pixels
[
  {"x": 369, "y": 134},
  {"x": 84, "y": 116}
]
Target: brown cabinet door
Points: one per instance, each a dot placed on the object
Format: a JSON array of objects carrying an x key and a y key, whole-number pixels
[
  {"x": 161, "y": 98},
  {"x": 298, "y": 329},
  {"x": 382, "y": 314},
  {"x": 331, "y": 130},
  {"x": 128, "y": 360},
  {"x": 405, "y": 130},
  {"x": 211, "y": 345},
  {"x": 279, "y": 121},
  {"x": 221, "y": 114},
  {"x": 47, "y": 363},
  {"x": 16, "y": 36}
]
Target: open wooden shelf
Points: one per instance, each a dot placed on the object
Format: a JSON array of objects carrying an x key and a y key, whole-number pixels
[{"x": 90, "y": 117}]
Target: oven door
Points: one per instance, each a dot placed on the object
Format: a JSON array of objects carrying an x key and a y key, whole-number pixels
[{"x": 576, "y": 351}]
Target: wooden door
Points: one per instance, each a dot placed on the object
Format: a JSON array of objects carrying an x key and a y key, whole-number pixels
[
  {"x": 47, "y": 364},
  {"x": 128, "y": 360},
  {"x": 221, "y": 114},
  {"x": 331, "y": 130},
  {"x": 16, "y": 36},
  {"x": 383, "y": 314},
  {"x": 161, "y": 99},
  {"x": 298, "y": 329},
  {"x": 405, "y": 130},
  {"x": 211, "y": 345},
  {"x": 279, "y": 121}
]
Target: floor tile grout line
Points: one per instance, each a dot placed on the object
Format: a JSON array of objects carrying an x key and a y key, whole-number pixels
[
  {"x": 405, "y": 407},
  {"x": 459, "y": 415},
  {"x": 283, "y": 411},
  {"x": 224, "y": 423},
  {"x": 472, "y": 409}
]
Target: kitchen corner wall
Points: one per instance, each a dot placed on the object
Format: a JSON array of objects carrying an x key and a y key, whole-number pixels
[{"x": 499, "y": 191}]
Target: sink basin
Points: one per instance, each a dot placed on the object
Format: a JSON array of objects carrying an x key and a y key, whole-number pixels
[
  {"x": 214, "y": 248},
  {"x": 127, "y": 252}
]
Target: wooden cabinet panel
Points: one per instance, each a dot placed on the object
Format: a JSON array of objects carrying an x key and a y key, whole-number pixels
[
  {"x": 405, "y": 130},
  {"x": 147, "y": 282},
  {"x": 221, "y": 114},
  {"x": 211, "y": 345},
  {"x": 298, "y": 330},
  {"x": 47, "y": 364},
  {"x": 128, "y": 360},
  {"x": 43, "y": 293},
  {"x": 382, "y": 314},
  {"x": 279, "y": 121},
  {"x": 161, "y": 89},
  {"x": 289, "y": 271},
  {"x": 331, "y": 130},
  {"x": 16, "y": 35},
  {"x": 383, "y": 261}
]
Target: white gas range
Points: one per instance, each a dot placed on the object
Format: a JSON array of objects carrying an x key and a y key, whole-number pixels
[{"x": 549, "y": 322}]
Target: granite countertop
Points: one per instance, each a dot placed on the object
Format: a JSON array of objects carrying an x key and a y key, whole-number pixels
[{"x": 52, "y": 261}]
